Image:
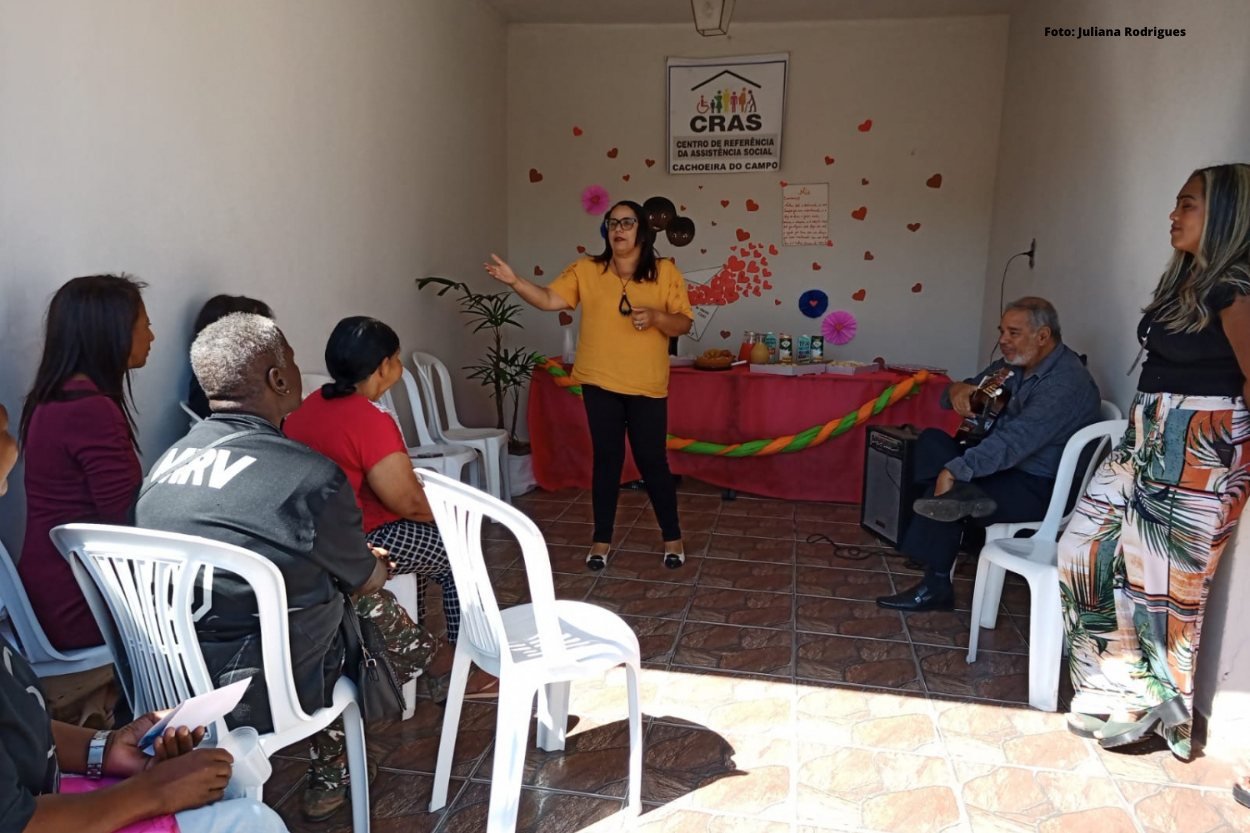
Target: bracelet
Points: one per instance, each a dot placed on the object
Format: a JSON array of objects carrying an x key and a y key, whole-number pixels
[{"x": 95, "y": 754}]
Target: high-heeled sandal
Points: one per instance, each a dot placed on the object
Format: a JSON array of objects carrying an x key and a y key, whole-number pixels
[
  {"x": 596, "y": 560},
  {"x": 1116, "y": 733},
  {"x": 1085, "y": 725},
  {"x": 674, "y": 559}
]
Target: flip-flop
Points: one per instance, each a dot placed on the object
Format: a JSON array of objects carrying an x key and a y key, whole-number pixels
[{"x": 1085, "y": 725}]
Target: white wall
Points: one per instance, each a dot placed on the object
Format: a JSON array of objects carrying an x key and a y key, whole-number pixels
[
  {"x": 1098, "y": 136},
  {"x": 933, "y": 89},
  {"x": 319, "y": 156}
]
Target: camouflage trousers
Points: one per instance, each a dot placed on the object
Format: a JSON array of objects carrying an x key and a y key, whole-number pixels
[{"x": 409, "y": 646}]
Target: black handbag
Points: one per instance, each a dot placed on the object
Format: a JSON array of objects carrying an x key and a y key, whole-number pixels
[{"x": 380, "y": 695}]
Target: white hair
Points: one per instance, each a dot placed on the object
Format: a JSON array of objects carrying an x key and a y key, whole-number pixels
[{"x": 231, "y": 356}]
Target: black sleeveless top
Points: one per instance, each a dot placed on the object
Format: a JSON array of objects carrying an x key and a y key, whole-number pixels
[{"x": 1194, "y": 364}]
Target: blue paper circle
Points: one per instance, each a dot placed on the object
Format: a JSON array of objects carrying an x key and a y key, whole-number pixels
[{"x": 817, "y": 309}]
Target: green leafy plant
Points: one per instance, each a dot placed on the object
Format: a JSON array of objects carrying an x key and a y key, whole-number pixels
[{"x": 503, "y": 370}]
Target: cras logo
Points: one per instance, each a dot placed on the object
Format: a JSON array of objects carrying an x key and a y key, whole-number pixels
[{"x": 726, "y": 104}]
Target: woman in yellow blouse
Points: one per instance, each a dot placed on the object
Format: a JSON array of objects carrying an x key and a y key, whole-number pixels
[{"x": 632, "y": 303}]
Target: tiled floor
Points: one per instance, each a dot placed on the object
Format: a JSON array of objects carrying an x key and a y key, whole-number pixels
[{"x": 777, "y": 697}]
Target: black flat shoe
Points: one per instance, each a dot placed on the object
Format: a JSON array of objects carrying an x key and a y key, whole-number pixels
[
  {"x": 964, "y": 500},
  {"x": 1117, "y": 733},
  {"x": 921, "y": 597}
]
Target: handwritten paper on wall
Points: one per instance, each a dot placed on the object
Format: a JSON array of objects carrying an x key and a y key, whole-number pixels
[{"x": 805, "y": 214}]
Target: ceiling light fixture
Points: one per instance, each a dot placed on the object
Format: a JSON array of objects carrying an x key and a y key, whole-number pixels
[{"x": 711, "y": 17}]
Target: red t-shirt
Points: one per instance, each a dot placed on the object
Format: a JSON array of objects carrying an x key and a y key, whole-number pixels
[{"x": 354, "y": 433}]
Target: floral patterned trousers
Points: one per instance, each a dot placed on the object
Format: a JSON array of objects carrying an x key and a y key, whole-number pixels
[{"x": 1137, "y": 559}]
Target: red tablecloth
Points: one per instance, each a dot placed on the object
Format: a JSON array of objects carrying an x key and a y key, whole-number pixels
[{"x": 737, "y": 406}]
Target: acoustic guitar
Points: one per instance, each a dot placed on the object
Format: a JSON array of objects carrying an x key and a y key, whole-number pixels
[{"x": 987, "y": 402}]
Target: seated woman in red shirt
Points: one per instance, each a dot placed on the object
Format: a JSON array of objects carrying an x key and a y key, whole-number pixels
[
  {"x": 342, "y": 421},
  {"x": 77, "y": 435}
]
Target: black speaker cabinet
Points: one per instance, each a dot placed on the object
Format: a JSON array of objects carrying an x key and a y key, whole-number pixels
[{"x": 885, "y": 506}]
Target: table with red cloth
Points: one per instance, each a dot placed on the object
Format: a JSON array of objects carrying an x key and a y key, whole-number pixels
[{"x": 737, "y": 405}]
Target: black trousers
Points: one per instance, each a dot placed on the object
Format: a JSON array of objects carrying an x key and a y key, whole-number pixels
[
  {"x": 645, "y": 419},
  {"x": 1020, "y": 497}
]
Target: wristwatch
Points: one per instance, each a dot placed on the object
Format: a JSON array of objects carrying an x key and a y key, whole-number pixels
[{"x": 95, "y": 754}]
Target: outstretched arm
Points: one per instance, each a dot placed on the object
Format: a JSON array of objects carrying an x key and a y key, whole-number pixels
[{"x": 533, "y": 294}]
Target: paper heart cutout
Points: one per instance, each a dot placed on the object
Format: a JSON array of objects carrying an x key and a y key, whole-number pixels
[
  {"x": 869, "y": 256},
  {"x": 702, "y": 251},
  {"x": 829, "y": 243},
  {"x": 934, "y": 181},
  {"x": 766, "y": 273},
  {"x": 863, "y": 182},
  {"x": 725, "y": 334},
  {"x": 829, "y": 160},
  {"x": 735, "y": 264},
  {"x": 776, "y": 302},
  {"x": 565, "y": 319},
  {"x": 743, "y": 234},
  {"x": 683, "y": 208},
  {"x": 783, "y": 183},
  {"x": 752, "y": 205},
  {"x": 713, "y": 222},
  {"x": 538, "y": 271},
  {"x": 700, "y": 187},
  {"x": 813, "y": 303},
  {"x": 768, "y": 286},
  {"x": 625, "y": 177},
  {"x": 753, "y": 267},
  {"x": 865, "y": 125},
  {"x": 772, "y": 248},
  {"x": 612, "y": 153},
  {"x": 724, "y": 203},
  {"x": 577, "y": 131},
  {"x": 860, "y": 213},
  {"x": 913, "y": 226},
  {"x": 535, "y": 176},
  {"x": 734, "y": 249},
  {"x": 860, "y": 295},
  {"x": 916, "y": 287},
  {"x": 815, "y": 266},
  {"x": 648, "y": 162},
  {"x": 581, "y": 250}
]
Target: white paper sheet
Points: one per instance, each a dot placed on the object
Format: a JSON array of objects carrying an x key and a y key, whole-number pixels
[{"x": 197, "y": 711}]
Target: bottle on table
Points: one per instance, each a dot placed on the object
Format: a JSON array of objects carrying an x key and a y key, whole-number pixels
[{"x": 748, "y": 341}]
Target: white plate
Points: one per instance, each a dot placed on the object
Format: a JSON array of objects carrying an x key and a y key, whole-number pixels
[{"x": 680, "y": 361}]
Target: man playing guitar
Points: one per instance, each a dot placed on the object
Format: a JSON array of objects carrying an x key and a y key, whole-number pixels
[{"x": 1019, "y": 413}]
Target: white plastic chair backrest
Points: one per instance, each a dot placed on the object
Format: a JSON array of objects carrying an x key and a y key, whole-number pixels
[
  {"x": 1109, "y": 410},
  {"x": 420, "y": 413},
  {"x": 1107, "y": 431},
  {"x": 34, "y": 642},
  {"x": 192, "y": 416},
  {"x": 145, "y": 583},
  {"x": 312, "y": 381},
  {"x": 458, "y": 510},
  {"x": 433, "y": 375}
]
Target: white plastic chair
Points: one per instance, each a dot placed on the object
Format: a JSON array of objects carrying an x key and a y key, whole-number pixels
[
  {"x": 312, "y": 381},
  {"x": 427, "y": 453},
  {"x": 1036, "y": 560},
  {"x": 534, "y": 649},
  {"x": 33, "y": 642},
  {"x": 491, "y": 443},
  {"x": 144, "y": 582}
]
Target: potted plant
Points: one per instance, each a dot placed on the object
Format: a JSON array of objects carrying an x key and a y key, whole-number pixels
[{"x": 503, "y": 370}]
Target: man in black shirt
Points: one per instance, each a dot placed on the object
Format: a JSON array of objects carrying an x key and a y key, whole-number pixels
[{"x": 259, "y": 490}]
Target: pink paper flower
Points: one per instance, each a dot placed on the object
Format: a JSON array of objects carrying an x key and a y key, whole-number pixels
[
  {"x": 595, "y": 199},
  {"x": 839, "y": 327}
]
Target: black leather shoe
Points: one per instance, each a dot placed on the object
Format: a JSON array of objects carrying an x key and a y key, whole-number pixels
[
  {"x": 920, "y": 597},
  {"x": 962, "y": 501}
]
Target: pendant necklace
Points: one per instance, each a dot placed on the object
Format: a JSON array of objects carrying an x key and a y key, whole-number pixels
[{"x": 625, "y": 307}]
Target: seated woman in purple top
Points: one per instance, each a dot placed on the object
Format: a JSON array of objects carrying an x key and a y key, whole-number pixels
[{"x": 77, "y": 435}]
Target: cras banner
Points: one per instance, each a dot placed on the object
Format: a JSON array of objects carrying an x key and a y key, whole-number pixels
[{"x": 725, "y": 114}]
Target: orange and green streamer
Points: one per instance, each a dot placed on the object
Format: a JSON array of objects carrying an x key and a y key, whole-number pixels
[{"x": 811, "y": 437}]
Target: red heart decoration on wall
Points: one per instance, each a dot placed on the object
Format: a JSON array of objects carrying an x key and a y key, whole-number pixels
[
  {"x": 865, "y": 125},
  {"x": 860, "y": 213},
  {"x": 735, "y": 264},
  {"x": 535, "y": 176},
  {"x": 724, "y": 203},
  {"x": 753, "y": 267},
  {"x": 829, "y": 160},
  {"x": 743, "y": 234},
  {"x": 768, "y": 286},
  {"x": 565, "y": 319},
  {"x": 863, "y": 182},
  {"x": 783, "y": 183},
  {"x": 752, "y": 205},
  {"x": 813, "y": 303},
  {"x": 913, "y": 226},
  {"x": 648, "y": 162},
  {"x": 702, "y": 251},
  {"x": 772, "y": 249},
  {"x": 683, "y": 208},
  {"x": 815, "y": 266},
  {"x": 577, "y": 131},
  {"x": 538, "y": 271},
  {"x": 725, "y": 334},
  {"x": 766, "y": 273},
  {"x": 776, "y": 302},
  {"x": 916, "y": 287},
  {"x": 713, "y": 222},
  {"x": 612, "y": 153},
  {"x": 625, "y": 177},
  {"x": 868, "y": 256},
  {"x": 934, "y": 181},
  {"x": 829, "y": 243},
  {"x": 860, "y": 295},
  {"x": 581, "y": 250}
]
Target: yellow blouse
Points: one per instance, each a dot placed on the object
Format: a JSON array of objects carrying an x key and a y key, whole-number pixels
[{"x": 611, "y": 354}]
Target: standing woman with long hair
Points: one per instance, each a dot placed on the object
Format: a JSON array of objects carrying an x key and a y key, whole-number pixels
[
  {"x": 632, "y": 302},
  {"x": 1137, "y": 560},
  {"x": 77, "y": 434}
]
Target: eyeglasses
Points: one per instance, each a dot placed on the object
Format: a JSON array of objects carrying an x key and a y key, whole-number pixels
[{"x": 625, "y": 223}]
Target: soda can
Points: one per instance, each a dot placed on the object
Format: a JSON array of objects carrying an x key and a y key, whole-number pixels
[
  {"x": 818, "y": 348},
  {"x": 785, "y": 348},
  {"x": 770, "y": 339},
  {"x": 803, "y": 350}
]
